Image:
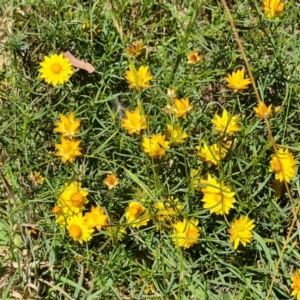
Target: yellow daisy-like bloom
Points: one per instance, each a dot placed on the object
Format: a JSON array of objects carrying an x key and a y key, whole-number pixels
[
  {"x": 167, "y": 209},
  {"x": 36, "y": 178},
  {"x": 226, "y": 123},
  {"x": 67, "y": 126},
  {"x": 136, "y": 215},
  {"x": 56, "y": 69},
  {"x": 296, "y": 284},
  {"x": 96, "y": 218},
  {"x": 182, "y": 107},
  {"x": 186, "y": 233},
  {"x": 136, "y": 48},
  {"x": 111, "y": 181},
  {"x": 211, "y": 154},
  {"x": 273, "y": 8},
  {"x": 262, "y": 111},
  {"x": 236, "y": 80},
  {"x": 73, "y": 198},
  {"x": 138, "y": 78},
  {"x": 134, "y": 121},
  {"x": 155, "y": 146},
  {"x": 218, "y": 197},
  {"x": 78, "y": 230},
  {"x": 240, "y": 231},
  {"x": 283, "y": 164},
  {"x": 193, "y": 57},
  {"x": 68, "y": 149},
  {"x": 175, "y": 134}
]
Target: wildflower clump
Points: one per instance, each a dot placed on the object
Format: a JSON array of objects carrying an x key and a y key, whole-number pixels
[
  {"x": 240, "y": 231},
  {"x": 56, "y": 69},
  {"x": 186, "y": 233},
  {"x": 218, "y": 197},
  {"x": 283, "y": 164}
]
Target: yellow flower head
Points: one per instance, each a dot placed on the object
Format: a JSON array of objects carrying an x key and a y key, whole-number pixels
[
  {"x": 167, "y": 209},
  {"x": 136, "y": 48},
  {"x": 116, "y": 232},
  {"x": 218, "y": 197},
  {"x": 240, "y": 231},
  {"x": 111, "y": 181},
  {"x": 226, "y": 123},
  {"x": 67, "y": 126},
  {"x": 211, "y": 154},
  {"x": 262, "y": 111},
  {"x": 236, "y": 80},
  {"x": 283, "y": 164},
  {"x": 193, "y": 57},
  {"x": 155, "y": 146},
  {"x": 138, "y": 78},
  {"x": 135, "y": 215},
  {"x": 68, "y": 149},
  {"x": 296, "y": 284},
  {"x": 186, "y": 233},
  {"x": 96, "y": 218},
  {"x": 273, "y": 8},
  {"x": 73, "y": 198},
  {"x": 171, "y": 93},
  {"x": 36, "y": 178},
  {"x": 134, "y": 121},
  {"x": 175, "y": 134},
  {"x": 78, "y": 230},
  {"x": 56, "y": 69},
  {"x": 182, "y": 107}
]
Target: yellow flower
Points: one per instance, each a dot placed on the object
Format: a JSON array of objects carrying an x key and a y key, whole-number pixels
[
  {"x": 56, "y": 69},
  {"x": 171, "y": 93},
  {"x": 240, "y": 231},
  {"x": 134, "y": 121},
  {"x": 155, "y": 146},
  {"x": 211, "y": 154},
  {"x": 68, "y": 149},
  {"x": 36, "y": 178},
  {"x": 175, "y": 134},
  {"x": 296, "y": 284},
  {"x": 283, "y": 164},
  {"x": 262, "y": 111},
  {"x": 78, "y": 230},
  {"x": 116, "y": 232},
  {"x": 193, "y": 57},
  {"x": 218, "y": 197},
  {"x": 67, "y": 126},
  {"x": 273, "y": 7},
  {"x": 135, "y": 215},
  {"x": 166, "y": 209},
  {"x": 111, "y": 181},
  {"x": 226, "y": 123},
  {"x": 186, "y": 233},
  {"x": 136, "y": 48},
  {"x": 236, "y": 81},
  {"x": 73, "y": 198},
  {"x": 138, "y": 78},
  {"x": 96, "y": 218},
  {"x": 182, "y": 107}
]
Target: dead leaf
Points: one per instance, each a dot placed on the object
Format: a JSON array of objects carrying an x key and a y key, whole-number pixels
[{"x": 79, "y": 63}]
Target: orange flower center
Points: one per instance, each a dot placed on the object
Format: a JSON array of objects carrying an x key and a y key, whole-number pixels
[
  {"x": 56, "y": 209},
  {"x": 276, "y": 165},
  {"x": 192, "y": 234},
  {"x": 136, "y": 210},
  {"x": 56, "y": 68},
  {"x": 193, "y": 58},
  {"x": 75, "y": 231},
  {"x": 110, "y": 180},
  {"x": 76, "y": 199}
]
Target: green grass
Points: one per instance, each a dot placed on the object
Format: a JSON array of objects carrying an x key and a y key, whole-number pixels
[{"x": 44, "y": 265}]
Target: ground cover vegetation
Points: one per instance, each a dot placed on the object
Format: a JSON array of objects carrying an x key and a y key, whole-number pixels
[{"x": 149, "y": 149}]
